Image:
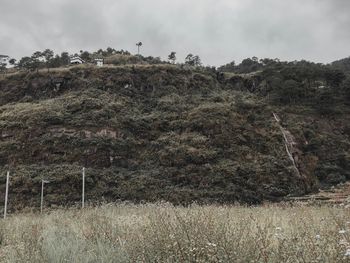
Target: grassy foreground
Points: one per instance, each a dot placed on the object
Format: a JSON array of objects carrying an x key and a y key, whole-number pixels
[{"x": 163, "y": 233}]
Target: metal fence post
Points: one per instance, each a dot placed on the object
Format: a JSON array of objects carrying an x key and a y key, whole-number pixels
[
  {"x": 6, "y": 193},
  {"x": 42, "y": 195},
  {"x": 83, "y": 190}
]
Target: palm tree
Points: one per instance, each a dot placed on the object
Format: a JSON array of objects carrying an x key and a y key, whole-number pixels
[{"x": 138, "y": 47}]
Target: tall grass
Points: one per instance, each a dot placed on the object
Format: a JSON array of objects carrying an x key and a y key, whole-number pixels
[{"x": 163, "y": 233}]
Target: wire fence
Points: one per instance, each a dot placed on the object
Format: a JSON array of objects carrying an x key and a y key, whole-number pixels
[{"x": 42, "y": 192}]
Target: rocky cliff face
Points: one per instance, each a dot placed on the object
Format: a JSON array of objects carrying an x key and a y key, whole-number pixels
[{"x": 150, "y": 133}]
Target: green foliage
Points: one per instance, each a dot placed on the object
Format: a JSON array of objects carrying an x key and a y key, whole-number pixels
[
  {"x": 292, "y": 82},
  {"x": 246, "y": 66},
  {"x": 127, "y": 59},
  {"x": 12, "y": 61},
  {"x": 299, "y": 82},
  {"x": 193, "y": 60},
  {"x": 48, "y": 54},
  {"x": 2, "y": 67},
  {"x": 230, "y": 67},
  {"x": 342, "y": 64},
  {"x": 172, "y": 57},
  {"x": 334, "y": 77},
  {"x": 346, "y": 89},
  {"x": 166, "y": 132},
  {"x": 25, "y": 63}
]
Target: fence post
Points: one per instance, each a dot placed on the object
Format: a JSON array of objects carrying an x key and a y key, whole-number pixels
[
  {"x": 42, "y": 194},
  {"x": 6, "y": 193},
  {"x": 83, "y": 190}
]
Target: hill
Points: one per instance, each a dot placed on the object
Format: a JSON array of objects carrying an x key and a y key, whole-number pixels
[
  {"x": 162, "y": 132},
  {"x": 343, "y": 64}
]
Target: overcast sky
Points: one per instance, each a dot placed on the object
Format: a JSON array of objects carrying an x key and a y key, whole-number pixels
[{"x": 219, "y": 31}]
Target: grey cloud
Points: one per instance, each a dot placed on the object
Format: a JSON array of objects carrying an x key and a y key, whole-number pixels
[{"x": 219, "y": 31}]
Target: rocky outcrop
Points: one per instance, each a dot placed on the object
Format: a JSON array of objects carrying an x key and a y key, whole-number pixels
[{"x": 292, "y": 150}]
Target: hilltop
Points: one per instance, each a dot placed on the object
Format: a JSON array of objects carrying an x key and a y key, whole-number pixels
[{"x": 164, "y": 132}]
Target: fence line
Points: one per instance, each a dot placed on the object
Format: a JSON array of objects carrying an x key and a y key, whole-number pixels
[{"x": 43, "y": 182}]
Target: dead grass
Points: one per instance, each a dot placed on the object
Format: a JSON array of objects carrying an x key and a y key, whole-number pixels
[{"x": 163, "y": 233}]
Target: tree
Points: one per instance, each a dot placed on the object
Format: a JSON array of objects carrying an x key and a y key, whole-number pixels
[
  {"x": 25, "y": 63},
  {"x": 255, "y": 59},
  {"x": 36, "y": 60},
  {"x": 193, "y": 60},
  {"x": 139, "y": 44},
  {"x": 230, "y": 67},
  {"x": 2, "y": 67},
  {"x": 124, "y": 52},
  {"x": 172, "y": 57},
  {"x": 274, "y": 85},
  {"x": 249, "y": 65},
  {"x": 334, "y": 77},
  {"x": 47, "y": 54},
  {"x": 346, "y": 90},
  {"x": 267, "y": 62},
  {"x": 55, "y": 62},
  {"x": 325, "y": 102},
  {"x": 197, "y": 61},
  {"x": 65, "y": 58},
  {"x": 110, "y": 51},
  {"x": 291, "y": 91},
  {"x": 85, "y": 55},
  {"x": 12, "y": 62},
  {"x": 189, "y": 59},
  {"x": 37, "y": 55}
]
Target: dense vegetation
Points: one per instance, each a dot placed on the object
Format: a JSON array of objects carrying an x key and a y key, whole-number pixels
[
  {"x": 148, "y": 131},
  {"x": 48, "y": 59},
  {"x": 297, "y": 82}
]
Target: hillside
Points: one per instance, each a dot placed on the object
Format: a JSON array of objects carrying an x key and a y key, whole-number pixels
[
  {"x": 161, "y": 132},
  {"x": 343, "y": 64}
]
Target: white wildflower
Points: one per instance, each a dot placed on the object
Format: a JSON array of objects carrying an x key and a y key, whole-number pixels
[
  {"x": 318, "y": 236},
  {"x": 343, "y": 242},
  {"x": 347, "y": 253},
  {"x": 342, "y": 231}
]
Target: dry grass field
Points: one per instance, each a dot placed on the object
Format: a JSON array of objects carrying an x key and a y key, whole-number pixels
[{"x": 164, "y": 233}]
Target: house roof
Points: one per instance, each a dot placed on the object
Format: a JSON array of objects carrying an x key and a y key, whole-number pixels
[
  {"x": 76, "y": 58},
  {"x": 4, "y": 56}
]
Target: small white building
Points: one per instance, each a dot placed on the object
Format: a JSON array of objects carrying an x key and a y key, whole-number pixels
[
  {"x": 5, "y": 60},
  {"x": 99, "y": 62},
  {"x": 76, "y": 60}
]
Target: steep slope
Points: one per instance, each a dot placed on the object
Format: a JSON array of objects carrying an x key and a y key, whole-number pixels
[
  {"x": 145, "y": 133},
  {"x": 316, "y": 117}
]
